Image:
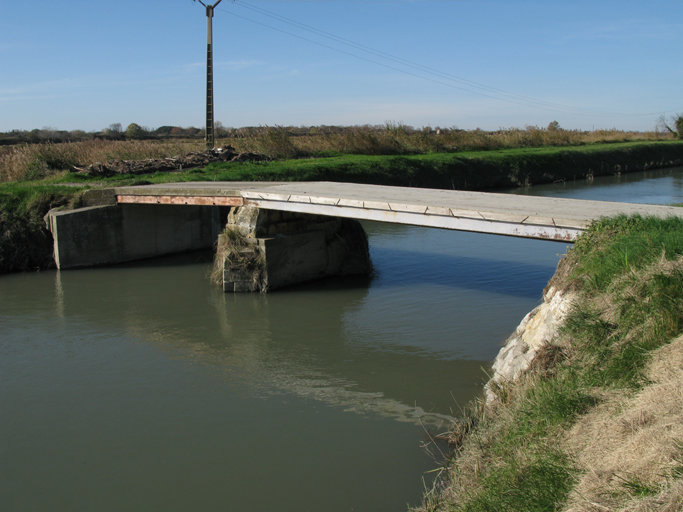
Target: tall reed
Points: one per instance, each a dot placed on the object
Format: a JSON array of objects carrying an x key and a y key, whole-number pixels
[{"x": 35, "y": 161}]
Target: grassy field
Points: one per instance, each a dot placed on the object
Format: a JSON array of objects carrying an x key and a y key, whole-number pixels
[
  {"x": 23, "y": 202},
  {"x": 467, "y": 170},
  {"x": 22, "y": 162},
  {"x": 597, "y": 424}
]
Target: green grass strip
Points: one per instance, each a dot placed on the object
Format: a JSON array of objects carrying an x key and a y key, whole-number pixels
[{"x": 463, "y": 170}]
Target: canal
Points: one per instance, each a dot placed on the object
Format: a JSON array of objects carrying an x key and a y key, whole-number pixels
[{"x": 141, "y": 387}]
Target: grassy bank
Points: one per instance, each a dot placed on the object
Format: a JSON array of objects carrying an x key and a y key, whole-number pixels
[
  {"x": 466, "y": 170},
  {"x": 476, "y": 170},
  {"x": 25, "y": 243},
  {"x": 597, "y": 424},
  {"x": 28, "y": 161}
]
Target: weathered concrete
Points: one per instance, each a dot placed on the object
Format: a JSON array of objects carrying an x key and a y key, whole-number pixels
[
  {"x": 504, "y": 214},
  {"x": 102, "y": 235},
  {"x": 269, "y": 249},
  {"x": 151, "y": 220}
]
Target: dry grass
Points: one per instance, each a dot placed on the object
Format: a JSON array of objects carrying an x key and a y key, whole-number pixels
[
  {"x": 239, "y": 253},
  {"x": 629, "y": 446},
  {"x": 397, "y": 140},
  {"x": 35, "y": 161}
]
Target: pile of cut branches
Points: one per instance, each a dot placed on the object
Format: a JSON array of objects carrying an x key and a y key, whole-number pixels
[{"x": 170, "y": 164}]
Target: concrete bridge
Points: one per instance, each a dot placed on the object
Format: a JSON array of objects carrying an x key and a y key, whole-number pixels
[
  {"x": 483, "y": 212},
  {"x": 130, "y": 223}
]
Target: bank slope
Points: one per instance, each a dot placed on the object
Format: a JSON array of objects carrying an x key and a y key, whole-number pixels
[
  {"x": 22, "y": 204},
  {"x": 466, "y": 170},
  {"x": 595, "y": 423}
]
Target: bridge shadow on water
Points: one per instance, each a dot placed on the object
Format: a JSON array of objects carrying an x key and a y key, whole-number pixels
[
  {"x": 401, "y": 267},
  {"x": 408, "y": 268}
]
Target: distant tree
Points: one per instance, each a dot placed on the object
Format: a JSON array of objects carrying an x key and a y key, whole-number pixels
[
  {"x": 164, "y": 131},
  {"x": 78, "y": 135},
  {"x": 554, "y": 126},
  {"x": 135, "y": 131},
  {"x": 219, "y": 129},
  {"x": 115, "y": 131},
  {"x": 674, "y": 124}
]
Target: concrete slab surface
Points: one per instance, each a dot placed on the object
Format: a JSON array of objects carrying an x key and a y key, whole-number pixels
[{"x": 506, "y": 214}]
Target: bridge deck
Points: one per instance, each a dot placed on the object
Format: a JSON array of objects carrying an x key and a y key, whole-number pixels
[{"x": 503, "y": 214}]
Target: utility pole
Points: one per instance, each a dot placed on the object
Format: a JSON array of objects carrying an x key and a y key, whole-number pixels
[{"x": 209, "y": 74}]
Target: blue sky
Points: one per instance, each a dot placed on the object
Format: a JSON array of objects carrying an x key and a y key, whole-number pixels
[{"x": 467, "y": 63}]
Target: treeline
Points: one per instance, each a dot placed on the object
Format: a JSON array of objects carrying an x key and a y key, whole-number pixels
[
  {"x": 134, "y": 131},
  {"x": 535, "y": 135},
  {"x": 114, "y": 132}
]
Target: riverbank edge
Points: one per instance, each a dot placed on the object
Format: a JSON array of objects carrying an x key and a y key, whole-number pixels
[
  {"x": 25, "y": 243},
  {"x": 480, "y": 170},
  {"x": 583, "y": 409}
]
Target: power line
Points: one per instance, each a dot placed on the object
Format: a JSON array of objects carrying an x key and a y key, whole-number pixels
[
  {"x": 470, "y": 86},
  {"x": 420, "y": 67},
  {"x": 359, "y": 1}
]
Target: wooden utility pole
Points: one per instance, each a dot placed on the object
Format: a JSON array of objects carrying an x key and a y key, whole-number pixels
[{"x": 209, "y": 74}]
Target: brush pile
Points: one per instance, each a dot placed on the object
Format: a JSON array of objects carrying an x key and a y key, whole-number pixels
[{"x": 169, "y": 164}]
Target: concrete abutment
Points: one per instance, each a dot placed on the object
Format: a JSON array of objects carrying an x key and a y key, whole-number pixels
[
  {"x": 264, "y": 249},
  {"x": 106, "y": 235}
]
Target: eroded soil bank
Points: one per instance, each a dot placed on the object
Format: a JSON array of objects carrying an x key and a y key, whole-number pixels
[
  {"x": 585, "y": 409},
  {"x": 25, "y": 244}
]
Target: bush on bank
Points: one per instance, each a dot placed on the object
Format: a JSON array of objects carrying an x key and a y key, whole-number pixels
[
  {"x": 25, "y": 242},
  {"x": 597, "y": 422}
]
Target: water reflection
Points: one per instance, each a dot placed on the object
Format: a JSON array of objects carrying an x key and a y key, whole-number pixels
[
  {"x": 462, "y": 272},
  {"x": 295, "y": 341},
  {"x": 662, "y": 186},
  {"x": 140, "y": 387}
]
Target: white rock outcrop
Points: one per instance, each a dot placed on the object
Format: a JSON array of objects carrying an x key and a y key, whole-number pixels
[{"x": 537, "y": 329}]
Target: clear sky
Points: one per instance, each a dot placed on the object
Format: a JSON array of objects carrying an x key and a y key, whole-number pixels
[{"x": 75, "y": 64}]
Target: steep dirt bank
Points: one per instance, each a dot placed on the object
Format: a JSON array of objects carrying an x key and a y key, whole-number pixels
[{"x": 584, "y": 410}]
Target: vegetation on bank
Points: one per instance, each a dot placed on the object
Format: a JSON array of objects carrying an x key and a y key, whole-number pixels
[
  {"x": 471, "y": 170},
  {"x": 597, "y": 423},
  {"x": 25, "y": 242},
  {"x": 466, "y": 170},
  {"x": 43, "y": 157},
  {"x": 26, "y": 197}
]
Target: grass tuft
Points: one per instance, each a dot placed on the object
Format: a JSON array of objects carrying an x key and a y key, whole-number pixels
[
  {"x": 25, "y": 242},
  {"x": 605, "y": 384},
  {"x": 240, "y": 254}
]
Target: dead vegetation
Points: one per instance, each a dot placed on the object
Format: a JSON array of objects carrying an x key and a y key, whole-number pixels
[
  {"x": 168, "y": 164},
  {"x": 630, "y": 447},
  {"x": 596, "y": 424},
  {"x": 240, "y": 255},
  {"x": 31, "y": 161}
]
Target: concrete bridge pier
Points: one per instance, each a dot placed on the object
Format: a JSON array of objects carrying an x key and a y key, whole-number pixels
[
  {"x": 110, "y": 234},
  {"x": 261, "y": 250}
]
